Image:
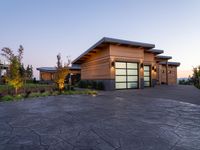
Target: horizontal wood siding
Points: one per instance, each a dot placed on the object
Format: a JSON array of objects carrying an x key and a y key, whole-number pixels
[
  {"x": 97, "y": 66},
  {"x": 172, "y": 75}
]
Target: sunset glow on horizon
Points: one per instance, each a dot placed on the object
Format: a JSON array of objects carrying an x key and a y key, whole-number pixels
[{"x": 46, "y": 28}]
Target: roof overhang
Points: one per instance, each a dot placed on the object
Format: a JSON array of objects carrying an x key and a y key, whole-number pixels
[
  {"x": 164, "y": 57},
  {"x": 155, "y": 51},
  {"x": 53, "y": 69},
  {"x": 105, "y": 41},
  {"x": 171, "y": 63},
  {"x": 47, "y": 69}
]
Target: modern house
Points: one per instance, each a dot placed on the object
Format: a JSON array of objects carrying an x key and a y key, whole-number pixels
[
  {"x": 122, "y": 64},
  {"x": 47, "y": 74}
]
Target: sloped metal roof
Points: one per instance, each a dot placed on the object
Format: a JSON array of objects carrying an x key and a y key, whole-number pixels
[
  {"x": 114, "y": 41},
  {"x": 53, "y": 69}
]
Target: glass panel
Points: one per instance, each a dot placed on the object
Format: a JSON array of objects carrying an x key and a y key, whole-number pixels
[
  {"x": 120, "y": 85},
  {"x": 132, "y": 85},
  {"x": 132, "y": 65},
  {"x": 146, "y": 78},
  {"x": 132, "y": 78},
  {"x": 120, "y": 65},
  {"x": 132, "y": 72},
  {"x": 146, "y": 83},
  {"x": 120, "y": 72},
  {"x": 146, "y": 73},
  {"x": 147, "y": 68},
  {"x": 120, "y": 78}
]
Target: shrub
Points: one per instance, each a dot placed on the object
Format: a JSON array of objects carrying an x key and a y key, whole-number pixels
[
  {"x": 27, "y": 93},
  {"x": 7, "y": 98},
  {"x": 100, "y": 85},
  {"x": 35, "y": 95},
  {"x": 45, "y": 94},
  {"x": 82, "y": 84},
  {"x": 42, "y": 90},
  {"x": 19, "y": 96},
  {"x": 94, "y": 85}
]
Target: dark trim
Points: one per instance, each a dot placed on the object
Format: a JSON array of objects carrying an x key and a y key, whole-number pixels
[
  {"x": 148, "y": 76},
  {"x": 170, "y": 63},
  {"x": 163, "y": 57}
]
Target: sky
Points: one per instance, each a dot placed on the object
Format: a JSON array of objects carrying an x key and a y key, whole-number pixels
[{"x": 48, "y": 27}]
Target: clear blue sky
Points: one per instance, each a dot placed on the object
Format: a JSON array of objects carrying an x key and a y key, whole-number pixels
[{"x": 47, "y": 27}]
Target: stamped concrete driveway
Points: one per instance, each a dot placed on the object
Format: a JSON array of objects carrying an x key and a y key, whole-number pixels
[{"x": 160, "y": 118}]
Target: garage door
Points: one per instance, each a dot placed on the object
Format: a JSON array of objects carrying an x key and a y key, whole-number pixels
[
  {"x": 147, "y": 76},
  {"x": 126, "y": 75}
]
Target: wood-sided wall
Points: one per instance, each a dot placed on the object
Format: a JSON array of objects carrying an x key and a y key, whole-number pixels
[
  {"x": 172, "y": 75},
  {"x": 97, "y": 65},
  {"x": 124, "y": 53}
]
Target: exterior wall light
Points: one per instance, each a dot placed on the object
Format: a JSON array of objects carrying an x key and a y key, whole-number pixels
[
  {"x": 113, "y": 64},
  {"x": 141, "y": 65},
  {"x": 154, "y": 68}
]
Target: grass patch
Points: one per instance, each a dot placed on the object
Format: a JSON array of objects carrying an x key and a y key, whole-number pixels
[
  {"x": 45, "y": 94},
  {"x": 7, "y": 98}
]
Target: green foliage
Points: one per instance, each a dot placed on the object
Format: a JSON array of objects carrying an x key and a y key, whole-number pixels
[
  {"x": 35, "y": 95},
  {"x": 196, "y": 76},
  {"x": 44, "y": 94},
  {"x": 29, "y": 72},
  {"x": 98, "y": 85},
  {"x": 7, "y": 98},
  {"x": 186, "y": 81},
  {"x": 18, "y": 97},
  {"x": 61, "y": 73},
  {"x": 88, "y": 92},
  {"x": 14, "y": 76},
  {"x": 82, "y": 84}
]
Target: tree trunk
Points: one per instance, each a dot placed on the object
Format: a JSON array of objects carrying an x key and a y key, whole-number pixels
[{"x": 16, "y": 89}]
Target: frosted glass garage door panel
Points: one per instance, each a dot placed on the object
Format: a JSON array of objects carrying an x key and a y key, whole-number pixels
[
  {"x": 132, "y": 72},
  {"x": 147, "y": 68},
  {"x": 132, "y": 78},
  {"x": 120, "y": 85},
  {"x": 146, "y": 73},
  {"x": 120, "y": 72},
  {"x": 120, "y": 65},
  {"x": 146, "y": 79},
  {"x": 132, "y": 85},
  {"x": 120, "y": 78},
  {"x": 146, "y": 83},
  {"x": 132, "y": 65}
]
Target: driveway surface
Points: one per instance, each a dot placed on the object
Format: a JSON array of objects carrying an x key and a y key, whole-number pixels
[{"x": 160, "y": 118}]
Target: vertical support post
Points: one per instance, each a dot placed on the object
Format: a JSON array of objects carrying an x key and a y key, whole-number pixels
[{"x": 167, "y": 72}]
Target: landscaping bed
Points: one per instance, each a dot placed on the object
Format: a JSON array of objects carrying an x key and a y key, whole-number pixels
[{"x": 38, "y": 90}]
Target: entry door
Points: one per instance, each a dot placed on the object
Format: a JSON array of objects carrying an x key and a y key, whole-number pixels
[
  {"x": 147, "y": 76},
  {"x": 126, "y": 75}
]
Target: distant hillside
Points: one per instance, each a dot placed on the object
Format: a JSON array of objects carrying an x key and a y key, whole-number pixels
[{"x": 182, "y": 79}]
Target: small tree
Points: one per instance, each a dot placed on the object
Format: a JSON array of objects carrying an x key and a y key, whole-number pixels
[
  {"x": 61, "y": 72},
  {"x": 14, "y": 75},
  {"x": 196, "y": 76},
  {"x": 29, "y": 72}
]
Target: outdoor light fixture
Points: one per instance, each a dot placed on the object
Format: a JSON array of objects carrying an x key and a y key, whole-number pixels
[
  {"x": 113, "y": 64},
  {"x": 141, "y": 65},
  {"x": 154, "y": 68}
]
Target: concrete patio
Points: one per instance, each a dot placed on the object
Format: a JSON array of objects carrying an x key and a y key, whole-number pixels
[{"x": 160, "y": 118}]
